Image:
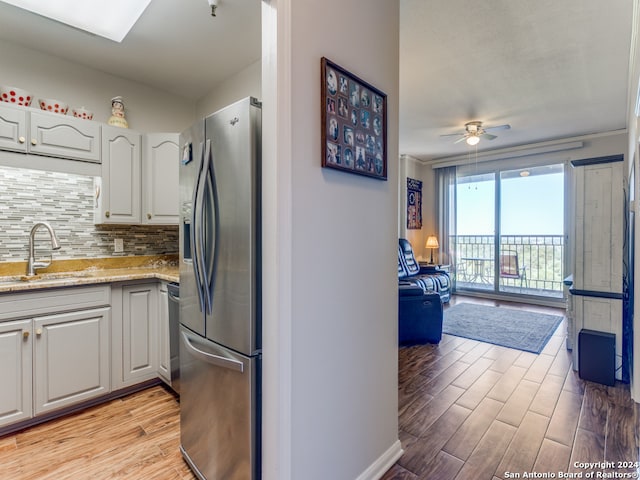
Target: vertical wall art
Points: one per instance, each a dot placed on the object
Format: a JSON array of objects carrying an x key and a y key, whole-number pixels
[
  {"x": 414, "y": 204},
  {"x": 354, "y": 123}
]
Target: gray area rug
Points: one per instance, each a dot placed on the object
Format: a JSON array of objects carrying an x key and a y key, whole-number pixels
[{"x": 508, "y": 327}]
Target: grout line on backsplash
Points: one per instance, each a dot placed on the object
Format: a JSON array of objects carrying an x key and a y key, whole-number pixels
[{"x": 66, "y": 201}]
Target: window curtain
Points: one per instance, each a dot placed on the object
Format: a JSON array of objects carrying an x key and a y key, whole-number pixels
[{"x": 446, "y": 199}]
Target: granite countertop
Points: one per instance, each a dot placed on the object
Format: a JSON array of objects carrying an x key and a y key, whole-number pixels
[{"x": 70, "y": 273}]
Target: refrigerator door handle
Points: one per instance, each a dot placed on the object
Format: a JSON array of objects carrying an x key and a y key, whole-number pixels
[
  {"x": 206, "y": 259},
  {"x": 217, "y": 360},
  {"x": 212, "y": 214},
  {"x": 196, "y": 223}
]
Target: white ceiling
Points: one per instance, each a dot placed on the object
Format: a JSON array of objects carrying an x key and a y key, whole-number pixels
[
  {"x": 176, "y": 46},
  {"x": 551, "y": 69}
]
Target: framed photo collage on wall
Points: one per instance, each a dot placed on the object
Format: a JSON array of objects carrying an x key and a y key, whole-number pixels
[{"x": 354, "y": 123}]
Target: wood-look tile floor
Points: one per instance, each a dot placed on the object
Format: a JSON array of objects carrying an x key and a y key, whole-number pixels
[
  {"x": 467, "y": 410},
  {"x": 136, "y": 437},
  {"x": 471, "y": 410}
]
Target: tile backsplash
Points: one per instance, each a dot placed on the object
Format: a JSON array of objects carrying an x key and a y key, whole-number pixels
[{"x": 66, "y": 202}]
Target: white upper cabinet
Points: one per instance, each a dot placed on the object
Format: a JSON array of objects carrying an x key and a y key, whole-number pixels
[
  {"x": 136, "y": 175},
  {"x": 13, "y": 129},
  {"x": 64, "y": 137},
  {"x": 160, "y": 169},
  {"x": 50, "y": 134},
  {"x": 138, "y": 185},
  {"x": 118, "y": 190}
]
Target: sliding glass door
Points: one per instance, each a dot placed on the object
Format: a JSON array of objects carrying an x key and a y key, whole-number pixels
[
  {"x": 532, "y": 231},
  {"x": 510, "y": 231},
  {"x": 475, "y": 228}
]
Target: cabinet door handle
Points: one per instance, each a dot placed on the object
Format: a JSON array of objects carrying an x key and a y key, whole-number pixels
[
  {"x": 25, "y": 335},
  {"x": 34, "y": 141},
  {"x": 149, "y": 216},
  {"x": 107, "y": 214},
  {"x": 38, "y": 332},
  {"x": 21, "y": 139}
]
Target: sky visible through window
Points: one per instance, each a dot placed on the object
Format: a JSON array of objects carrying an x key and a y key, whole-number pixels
[{"x": 532, "y": 205}]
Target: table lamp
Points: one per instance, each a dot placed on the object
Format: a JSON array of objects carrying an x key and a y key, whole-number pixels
[{"x": 432, "y": 242}]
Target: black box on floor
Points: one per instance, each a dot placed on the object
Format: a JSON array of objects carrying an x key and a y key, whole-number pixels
[{"x": 597, "y": 356}]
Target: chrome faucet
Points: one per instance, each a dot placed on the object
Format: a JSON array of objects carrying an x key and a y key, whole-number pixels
[{"x": 55, "y": 245}]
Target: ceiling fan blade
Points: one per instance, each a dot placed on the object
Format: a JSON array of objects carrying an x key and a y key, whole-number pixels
[
  {"x": 453, "y": 134},
  {"x": 497, "y": 127},
  {"x": 462, "y": 139},
  {"x": 488, "y": 136}
]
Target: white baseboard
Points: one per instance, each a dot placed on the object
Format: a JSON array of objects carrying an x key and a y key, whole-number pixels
[{"x": 384, "y": 462}]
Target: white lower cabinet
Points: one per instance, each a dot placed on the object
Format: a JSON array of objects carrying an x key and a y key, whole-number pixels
[
  {"x": 54, "y": 350},
  {"x": 53, "y": 361},
  {"x": 61, "y": 347},
  {"x": 71, "y": 358},
  {"x": 164, "y": 351},
  {"x": 15, "y": 371},
  {"x": 135, "y": 334}
]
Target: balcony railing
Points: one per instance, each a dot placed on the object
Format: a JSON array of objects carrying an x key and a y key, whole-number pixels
[{"x": 542, "y": 257}]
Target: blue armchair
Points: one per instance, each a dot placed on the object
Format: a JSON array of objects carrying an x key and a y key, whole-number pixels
[
  {"x": 419, "y": 303},
  {"x": 430, "y": 279},
  {"x": 419, "y": 315}
]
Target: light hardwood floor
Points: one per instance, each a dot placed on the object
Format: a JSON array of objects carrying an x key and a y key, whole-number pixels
[
  {"x": 134, "y": 438},
  {"x": 468, "y": 410},
  {"x": 471, "y": 410}
]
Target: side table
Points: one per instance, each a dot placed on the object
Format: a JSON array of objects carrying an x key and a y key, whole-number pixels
[{"x": 427, "y": 267}]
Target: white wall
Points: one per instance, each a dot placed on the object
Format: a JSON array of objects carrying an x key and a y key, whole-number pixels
[
  {"x": 411, "y": 167},
  {"x": 245, "y": 83},
  {"x": 147, "y": 109},
  {"x": 330, "y": 288}
]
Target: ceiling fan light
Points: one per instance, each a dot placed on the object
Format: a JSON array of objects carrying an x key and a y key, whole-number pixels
[{"x": 472, "y": 140}]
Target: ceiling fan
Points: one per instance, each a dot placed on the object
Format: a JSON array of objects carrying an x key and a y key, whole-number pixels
[{"x": 474, "y": 132}]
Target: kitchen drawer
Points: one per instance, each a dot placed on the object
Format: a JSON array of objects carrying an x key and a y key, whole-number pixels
[{"x": 46, "y": 301}]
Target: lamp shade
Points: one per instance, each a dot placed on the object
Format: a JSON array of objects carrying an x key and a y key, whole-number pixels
[{"x": 432, "y": 242}]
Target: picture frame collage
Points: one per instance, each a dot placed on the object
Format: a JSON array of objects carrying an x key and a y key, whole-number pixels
[{"x": 354, "y": 123}]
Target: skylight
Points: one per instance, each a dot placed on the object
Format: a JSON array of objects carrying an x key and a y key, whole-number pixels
[{"x": 110, "y": 19}]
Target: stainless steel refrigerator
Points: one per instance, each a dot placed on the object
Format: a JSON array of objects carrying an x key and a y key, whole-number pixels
[{"x": 220, "y": 313}]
